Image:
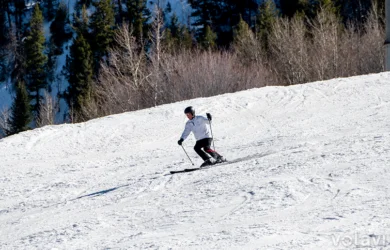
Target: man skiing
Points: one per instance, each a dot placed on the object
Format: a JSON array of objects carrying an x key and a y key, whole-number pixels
[{"x": 200, "y": 127}]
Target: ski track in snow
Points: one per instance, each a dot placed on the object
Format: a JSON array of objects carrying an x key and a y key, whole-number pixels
[{"x": 309, "y": 168}]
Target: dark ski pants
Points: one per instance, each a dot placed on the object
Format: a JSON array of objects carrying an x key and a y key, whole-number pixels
[{"x": 206, "y": 145}]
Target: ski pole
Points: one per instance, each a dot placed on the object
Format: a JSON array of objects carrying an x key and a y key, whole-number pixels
[
  {"x": 187, "y": 155},
  {"x": 212, "y": 137}
]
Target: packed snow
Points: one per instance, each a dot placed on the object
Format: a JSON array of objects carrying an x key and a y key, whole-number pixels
[{"x": 310, "y": 171}]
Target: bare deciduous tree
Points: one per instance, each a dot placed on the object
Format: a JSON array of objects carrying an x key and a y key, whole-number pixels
[
  {"x": 324, "y": 49},
  {"x": 4, "y": 125},
  {"x": 300, "y": 51},
  {"x": 289, "y": 53},
  {"x": 47, "y": 111},
  {"x": 123, "y": 78}
]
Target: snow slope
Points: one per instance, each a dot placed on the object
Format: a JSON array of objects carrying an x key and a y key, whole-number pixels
[{"x": 313, "y": 174}]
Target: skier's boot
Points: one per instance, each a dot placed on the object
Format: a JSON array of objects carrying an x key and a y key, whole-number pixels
[
  {"x": 208, "y": 162},
  {"x": 220, "y": 159}
]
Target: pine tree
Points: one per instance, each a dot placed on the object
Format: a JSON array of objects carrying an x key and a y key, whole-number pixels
[
  {"x": 186, "y": 39},
  {"x": 327, "y": 11},
  {"x": 244, "y": 42},
  {"x": 138, "y": 16},
  {"x": 19, "y": 7},
  {"x": 21, "y": 116},
  {"x": 221, "y": 16},
  {"x": 57, "y": 27},
  {"x": 326, "y": 4},
  {"x": 81, "y": 24},
  {"x": 168, "y": 41},
  {"x": 119, "y": 13},
  {"x": 244, "y": 9},
  {"x": 205, "y": 15},
  {"x": 49, "y": 6},
  {"x": 79, "y": 70},
  {"x": 208, "y": 41},
  {"x": 172, "y": 35},
  {"x": 174, "y": 25},
  {"x": 35, "y": 58},
  {"x": 289, "y": 8},
  {"x": 3, "y": 27},
  {"x": 102, "y": 27},
  {"x": 177, "y": 36},
  {"x": 242, "y": 32},
  {"x": 355, "y": 11},
  {"x": 3, "y": 41},
  {"x": 86, "y": 2},
  {"x": 168, "y": 9},
  {"x": 265, "y": 19}
]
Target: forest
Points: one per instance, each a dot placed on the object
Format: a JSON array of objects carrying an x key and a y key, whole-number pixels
[{"x": 125, "y": 55}]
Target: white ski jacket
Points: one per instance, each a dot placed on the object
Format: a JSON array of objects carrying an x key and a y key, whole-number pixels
[{"x": 199, "y": 126}]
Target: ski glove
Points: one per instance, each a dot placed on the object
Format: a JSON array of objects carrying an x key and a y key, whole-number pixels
[
  {"x": 180, "y": 141},
  {"x": 208, "y": 116}
]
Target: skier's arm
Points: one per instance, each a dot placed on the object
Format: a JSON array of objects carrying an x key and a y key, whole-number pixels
[
  {"x": 187, "y": 130},
  {"x": 205, "y": 119}
]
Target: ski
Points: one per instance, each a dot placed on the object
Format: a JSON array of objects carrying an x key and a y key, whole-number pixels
[
  {"x": 186, "y": 170},
  {"x": 242, "y": 159}
]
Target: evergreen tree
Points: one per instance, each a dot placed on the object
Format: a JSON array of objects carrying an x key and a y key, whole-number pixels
[
  {"x": 49, "y": 9},
  {"x": 138, "y": 16},
  {"x": 5, "y": 9},
  {"x": 79, "y": 70},
  {"x": 20, "y": 116},
  {"x": 168, "y": 41},
  {"x": 168, "y": 9},
  {"x": 3, "y": 27},
  {"x": 86, "y": 2},
  {"x": 177, "y": 36},
  {"x": 221, "y": 16},
  {"x": 171, "y": 34},
  {"x": 119, "y": 12},
  {"x": 241, "y": 9},
  {"x": 57, "y": 27},
  {"x": 355, "y": 11},
  {"x": 18, "y": 65},
  {"x": 328, "y": 12},
  {"x": 35, "y": 58},
  {"x": 81, "y": 23},
  {"x": 242, "y": 32},
  {"x": 208, "y": 41},
  {"x": 266, "y": 17},
  {"x": 174, "y": 25},
  {"x": 186, "y": 39},
  {"x": 19, "y": 8},
  {"x": 102, "y": 27},
  {"x": 328, "y": 5},
  {"x": 289, "y": 8},
  {"x": 311, "y": 9},
  {"x": 205, "y": 15},
  {"x": 3, "y": 41},
  {"x": 244, "y": 43}
]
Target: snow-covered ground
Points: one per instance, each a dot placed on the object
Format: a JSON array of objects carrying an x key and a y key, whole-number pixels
[{"x": 313, "y": 173}]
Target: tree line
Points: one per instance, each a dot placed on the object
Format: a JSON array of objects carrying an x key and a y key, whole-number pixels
[{"x": 122, "y": 56}]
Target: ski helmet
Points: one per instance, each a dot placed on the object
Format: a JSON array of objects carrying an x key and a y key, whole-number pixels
[{"x": 190, "y": 110}]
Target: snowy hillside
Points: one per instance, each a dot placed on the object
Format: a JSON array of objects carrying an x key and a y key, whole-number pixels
[{"x": 313, "y": 173}]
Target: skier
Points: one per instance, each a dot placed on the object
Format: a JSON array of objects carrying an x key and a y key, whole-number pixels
[{"x": 200, "y": 127}]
